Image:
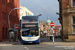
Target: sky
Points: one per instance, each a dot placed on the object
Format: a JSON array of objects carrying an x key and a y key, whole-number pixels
[{"x": 47, "y": 8}]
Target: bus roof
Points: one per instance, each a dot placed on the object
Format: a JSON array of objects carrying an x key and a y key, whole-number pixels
[{"x": 30, "y": 16}]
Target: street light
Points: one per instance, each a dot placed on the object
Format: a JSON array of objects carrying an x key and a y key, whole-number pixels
[
  {"x": 9, "y": 14},
  {"x": 57, "y": 13},
  {"x": 39, "y": 14}
]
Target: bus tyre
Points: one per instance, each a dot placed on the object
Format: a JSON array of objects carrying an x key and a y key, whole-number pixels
[
  {"x": 38, "y": 43},
  {"x": 23, "y": 43}
]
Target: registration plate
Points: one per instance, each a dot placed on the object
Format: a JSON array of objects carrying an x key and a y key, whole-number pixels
[{"x": 30, "y": 42}]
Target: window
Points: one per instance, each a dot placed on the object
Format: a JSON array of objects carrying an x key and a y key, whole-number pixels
[
  {"x": 73, "y": 28},
  {"x": 73, "y": 24},
  {"x": 9, "y": 5},
  {"x": 3, "y": 2},
  {"x": 6, "y": 33},
  {"x": 10, "y": 1},
  {"x": 30, "y": 33},
  {"x": 73, "y": 2},
  {"x": 14, "y": 6},
  {"x": 30, "y": 19},
  {"x": 3, "y": 33},
  {"x": 10, "y": 17},
  {"x": 73, "y": 20},
  {"x": 4, "y": 15},
  {"x": 26, "y": 13},
  {"x": 18, "y": 20},
  {"x": 43, "y": 25},
  {"x": 14, "y": 19}
]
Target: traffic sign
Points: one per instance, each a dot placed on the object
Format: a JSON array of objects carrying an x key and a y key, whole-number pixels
[
  {"x": 16, "y": 27},
  {"x": 52, "y": 24}
]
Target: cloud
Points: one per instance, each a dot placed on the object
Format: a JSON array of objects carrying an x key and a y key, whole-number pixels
[{"x": 47, "y": 8}]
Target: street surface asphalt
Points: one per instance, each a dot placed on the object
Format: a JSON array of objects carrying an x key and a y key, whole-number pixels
[{"x": 44, "y": 45}]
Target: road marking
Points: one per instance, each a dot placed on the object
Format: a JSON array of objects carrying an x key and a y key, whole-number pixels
[
  {"x": 26, "y": 48},
  {"x": 5, "y": 44},
  {"x": 65, "y": 47}
]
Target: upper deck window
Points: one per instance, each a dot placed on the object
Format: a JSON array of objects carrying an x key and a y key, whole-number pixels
[{"x": 30, "y": 19}]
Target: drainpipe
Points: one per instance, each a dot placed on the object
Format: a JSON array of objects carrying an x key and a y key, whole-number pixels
[{"x": 70, "y": 3}]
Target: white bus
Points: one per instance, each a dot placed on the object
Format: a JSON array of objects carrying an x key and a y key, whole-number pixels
[{"x": 30, "y": 29}]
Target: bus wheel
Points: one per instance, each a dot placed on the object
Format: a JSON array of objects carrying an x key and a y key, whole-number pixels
[
  {"x": 38, "y": 43},
  {"x": 23, "y": 43}
]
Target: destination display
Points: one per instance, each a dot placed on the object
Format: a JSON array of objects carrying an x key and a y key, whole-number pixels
[{"x": 30, "y": 25}]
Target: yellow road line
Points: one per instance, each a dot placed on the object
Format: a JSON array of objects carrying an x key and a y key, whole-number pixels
[{"x": 5, "y": 44}]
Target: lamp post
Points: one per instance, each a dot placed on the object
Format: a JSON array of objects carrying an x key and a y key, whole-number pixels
[
  {"x": 52, "y": 27},
  {"x": 39, "y": 14},
  {"x": 9, "y": 15},
  {"x": 9, "y": 20}
]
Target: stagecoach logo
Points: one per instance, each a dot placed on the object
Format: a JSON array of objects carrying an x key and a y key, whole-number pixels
[{"x": 30, "y": 38}]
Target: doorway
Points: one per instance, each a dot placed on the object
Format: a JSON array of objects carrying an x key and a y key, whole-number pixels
[
  {"x": 6, "y": 33},
  {"x": 3, "y": 33}
]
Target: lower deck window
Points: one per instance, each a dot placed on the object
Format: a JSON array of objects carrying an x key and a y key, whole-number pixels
[{"x": 30, "y": 32}]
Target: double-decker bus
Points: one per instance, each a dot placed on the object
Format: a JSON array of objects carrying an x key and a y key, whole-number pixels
[{"x": 30, "y": 29}]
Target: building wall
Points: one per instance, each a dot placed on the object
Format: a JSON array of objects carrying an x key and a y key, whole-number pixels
[
  {"x": 56, "y": 29},
  {"x": 45, "y": 28},
  {"x": 65, "y": 4},
  {"x": 6, "y": 7},
  {"x": 66, "y": 15},
  {"x": 24, "y": 11},
  {"x": 41, "y": 26}
]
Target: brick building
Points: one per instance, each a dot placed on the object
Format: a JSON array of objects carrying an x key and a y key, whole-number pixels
[
  {"x": 67, "y": 19},
  {"x": 56, "y": 30},
  {"x": 5, "y": 7}
]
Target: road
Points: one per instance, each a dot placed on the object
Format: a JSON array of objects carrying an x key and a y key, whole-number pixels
[
  {"x": 40, "y": 46},
  {"x": 34, "y": 47}
]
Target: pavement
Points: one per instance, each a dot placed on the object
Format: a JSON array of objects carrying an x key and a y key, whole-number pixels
[
  {"x": 45, "y": 41},
  {"x": 58, "y": 42},
  {"x": 48, "y": 40},
  {"x": 46, "y": 45},
  {"x": 7, "y": 43}
]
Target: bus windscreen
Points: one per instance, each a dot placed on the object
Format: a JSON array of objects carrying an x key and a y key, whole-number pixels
[
  {"x": 30, "y": 22},
  {"x": 28, "y": 19}
]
